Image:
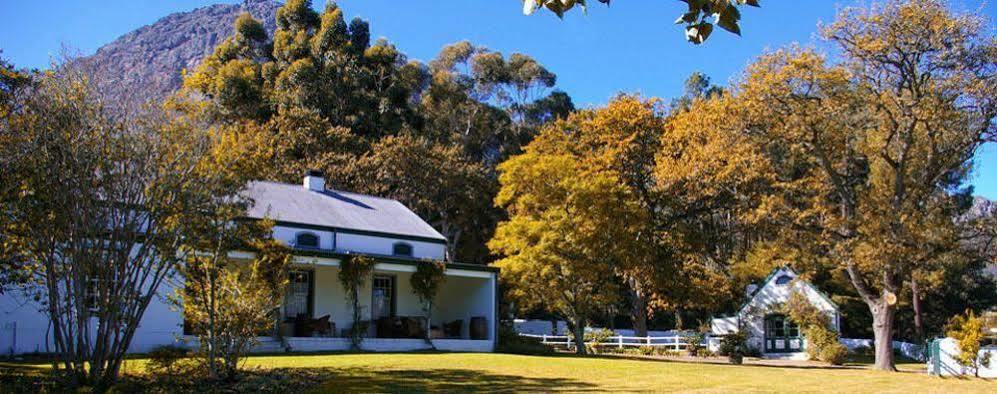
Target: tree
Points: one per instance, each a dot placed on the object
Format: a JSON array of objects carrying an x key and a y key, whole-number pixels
[
  {"x": 353, "y": 273},
  {"x": 112, "y": 193},
  {"x": 320, "y": 95},
  {"x": 697, "y": 87},
  {"x": 426, "y": 282},
  {"x": 318, "y": 92},
  {"x": 699, "y": 25},
  {"x": 567, "y": 225},
  {"x": 228, "y": 303},
  {"x": 871, "y": 153},
  {"x": 684, "y": 231},
  {"x": 15, "y": 269},
  {"x": 438, "y": 182}
]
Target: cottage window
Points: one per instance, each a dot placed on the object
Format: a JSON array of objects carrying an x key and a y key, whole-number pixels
[
  {"x": 298, "y": 298},
  {"x": 306, "y": 240},
  {"x": 783, "y": 279},
  {"x": 402, "y": 249}
]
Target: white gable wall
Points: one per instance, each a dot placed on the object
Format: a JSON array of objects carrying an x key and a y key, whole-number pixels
[{"x": 769, "y": 299}]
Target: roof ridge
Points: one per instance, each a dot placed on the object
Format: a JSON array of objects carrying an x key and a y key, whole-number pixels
[{"x": 331, "y": 190}]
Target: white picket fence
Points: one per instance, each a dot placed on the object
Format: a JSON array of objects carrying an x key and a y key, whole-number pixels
[{"x": 619, "y": 341}]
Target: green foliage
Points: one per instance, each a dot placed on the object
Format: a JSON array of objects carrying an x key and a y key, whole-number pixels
[
  {"x": 734, "y": 345},
  {"x": 967, "y": 329},
  {"x": 695, "y": 339},
  {"x": 354, "y": 270}
]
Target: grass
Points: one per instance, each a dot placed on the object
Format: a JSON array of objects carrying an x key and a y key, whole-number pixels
[{"x": 449, "y": 372}]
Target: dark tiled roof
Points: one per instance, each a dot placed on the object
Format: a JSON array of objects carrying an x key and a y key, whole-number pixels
[{"x": 330, "y": 208}]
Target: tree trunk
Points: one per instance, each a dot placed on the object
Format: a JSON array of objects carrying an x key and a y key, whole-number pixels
[
  {"x": 882, "y": 328},
  {"x": 578, "y": 329},
  {"x": 678, "y": 319},
  {"x": 638, "y": 310},
  {"x": 638, "y": 315},
  {"x": 918, "y": 317}
]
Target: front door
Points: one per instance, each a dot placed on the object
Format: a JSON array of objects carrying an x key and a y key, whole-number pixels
[
  {"x": 782, "y": 335},
  {"x": 383, "y": 303}
]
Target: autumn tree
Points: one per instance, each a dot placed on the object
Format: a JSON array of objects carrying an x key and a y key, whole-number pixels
[
  {"x": 319, "y": 91},
  {"x": 872, "y": 151},
  {"x": 699, "y": 19},
  {"x": 320, "y": 95},
  {"x": 567, "y": 225},
  {"x": 439, "y": 182},
  {"x": 14, "y": 83}
]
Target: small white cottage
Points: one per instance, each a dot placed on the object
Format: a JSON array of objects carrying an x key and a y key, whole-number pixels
[{"x": 769, "y": 330}]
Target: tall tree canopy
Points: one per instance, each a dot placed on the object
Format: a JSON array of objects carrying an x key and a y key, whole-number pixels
[
  {"x": 320, "y": 95},
  {"x": 871, "y": 153}
]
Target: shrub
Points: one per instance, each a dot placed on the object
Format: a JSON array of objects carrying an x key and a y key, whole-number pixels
[
  {"x": 509, "y": 341},
  {"x": 704, "y": 352},
  {"x": 834, "y": 354},
  {"x": 734, "y": 345},
  {"x": 968, "y": 330},
  {"x": 595, "y": 337},
  {"x": 163, "y": 359},
  {"x": 823, "y": 345},
  {"x": 647, "y": 350},
  {"x": 694, "y": 341}
]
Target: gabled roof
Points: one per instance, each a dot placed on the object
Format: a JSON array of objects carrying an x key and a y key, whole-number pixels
[
  {"x": 336, "y": 210},
  {"x": 772, "y": 275}
]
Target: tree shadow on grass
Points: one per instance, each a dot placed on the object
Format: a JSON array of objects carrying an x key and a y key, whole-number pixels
[
  {"x": 721, "y": 363},
  {"x": 21, "y": 378},
  {"x": 442, "y": 380}
]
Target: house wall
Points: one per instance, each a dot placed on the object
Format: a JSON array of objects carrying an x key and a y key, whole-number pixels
[
  {"x": 25, "y": 328},
  {"x": 459, "y": 297},
  {"x": 360, "y": 243},
  {"x": 942, "y": 361}
]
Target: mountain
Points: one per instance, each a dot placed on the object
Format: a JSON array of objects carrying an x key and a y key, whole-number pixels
[{"x": 148, "y": 63}]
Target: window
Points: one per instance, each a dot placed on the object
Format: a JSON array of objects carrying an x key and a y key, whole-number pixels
[
  {"x": 298, "y": 298},
  {"x": 383, "y": 304},
  {"x": 783, "y": 279},
  {"x": 306, "y": 240},
  {"x": 401, "y": 249},
  {"x": 91, "y": 295}
]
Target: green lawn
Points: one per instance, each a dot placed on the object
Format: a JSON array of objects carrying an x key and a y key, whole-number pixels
[{"x": 448, "y": 372}]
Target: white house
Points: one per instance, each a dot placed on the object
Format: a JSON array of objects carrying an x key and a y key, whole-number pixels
[
  {"x": 323, "y": 226},
  {"x": 769, "y": 330}
]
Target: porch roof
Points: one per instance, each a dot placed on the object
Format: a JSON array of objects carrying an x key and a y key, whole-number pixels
[{"x": 393, "y": 259}]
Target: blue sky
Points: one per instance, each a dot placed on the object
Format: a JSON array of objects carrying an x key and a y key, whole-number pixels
[{"x": 631, "y": 46}]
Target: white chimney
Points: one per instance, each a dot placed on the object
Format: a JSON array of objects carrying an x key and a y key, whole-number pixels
[
  {"x": 751, "y": 289},
  {"x": 314, "y": 180}
]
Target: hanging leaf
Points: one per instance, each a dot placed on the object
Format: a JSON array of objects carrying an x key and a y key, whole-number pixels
[
  {"x": 530, "y": 6},
  {"x": 728, "y": 21},
  {"x": 698, "y": 33}
]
